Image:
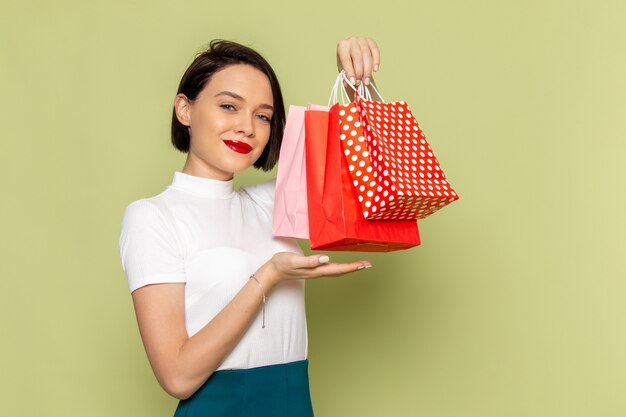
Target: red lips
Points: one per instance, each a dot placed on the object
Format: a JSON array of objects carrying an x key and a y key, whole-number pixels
[{"x": 237, "y": 146}]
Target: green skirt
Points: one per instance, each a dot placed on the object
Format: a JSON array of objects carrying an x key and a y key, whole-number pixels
[{"x": 267, "y": 391}]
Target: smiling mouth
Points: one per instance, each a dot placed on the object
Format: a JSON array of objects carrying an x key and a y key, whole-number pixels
[{"x": 237, "y": 146}]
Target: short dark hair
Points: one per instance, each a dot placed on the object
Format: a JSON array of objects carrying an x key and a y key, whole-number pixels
[{"x": 218, "y": 56}]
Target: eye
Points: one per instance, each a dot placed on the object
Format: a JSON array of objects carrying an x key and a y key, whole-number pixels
[
  {"x": 228, "y": 107},
  {"x": 264, "y": 117}
]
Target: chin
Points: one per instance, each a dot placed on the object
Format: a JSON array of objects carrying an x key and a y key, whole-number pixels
[
  {"x": 240, "y": 167},
  {"x": 241, "y": 164}
]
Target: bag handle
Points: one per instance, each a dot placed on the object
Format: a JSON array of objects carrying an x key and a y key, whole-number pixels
[
  {"x": 336, "y": 91},
  {"x": 362, "y": 90}
]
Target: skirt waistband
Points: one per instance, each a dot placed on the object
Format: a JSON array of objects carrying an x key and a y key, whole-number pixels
[
  {"x": 252, "y": 375},
  {"x": 280, "y": 390}
]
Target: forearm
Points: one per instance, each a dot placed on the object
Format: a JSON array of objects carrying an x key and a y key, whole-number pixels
[
  {"x": 182, "y": 363},
  {"x": 200, "y": 355}
]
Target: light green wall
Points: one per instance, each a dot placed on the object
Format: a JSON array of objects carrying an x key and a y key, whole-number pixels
[{"x": 514, "y": 304}]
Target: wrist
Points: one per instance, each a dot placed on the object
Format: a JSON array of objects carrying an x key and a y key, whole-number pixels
[
  {"x": 267, "y": 276},
  {"x": 264, "y": 297}
]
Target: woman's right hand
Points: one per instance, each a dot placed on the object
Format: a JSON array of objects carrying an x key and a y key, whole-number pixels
[
  {"x": 288, "y": 265},
  {"x": 359, "y": 57}
]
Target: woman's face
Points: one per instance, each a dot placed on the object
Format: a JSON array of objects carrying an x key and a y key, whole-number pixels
[{"x": 229, "y": 121}]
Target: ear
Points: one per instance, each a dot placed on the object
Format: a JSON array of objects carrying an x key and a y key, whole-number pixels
[{"x": 182, "y": 106}]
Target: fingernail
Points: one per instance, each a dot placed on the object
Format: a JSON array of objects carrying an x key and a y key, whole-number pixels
[
  {"x": 324, "y": 259},
  {"x": 376, "y": 67},
  {"x": 352, "y": 80},
  {"x": 360, "y": 267},
  {"x": 358, "y": 82},
  {"x": 366, "y": 81}
]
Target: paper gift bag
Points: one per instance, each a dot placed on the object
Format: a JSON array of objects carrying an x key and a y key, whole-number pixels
[
  {"x": 392, "y": 166},
  {"x": 290, "y": 217},
  {"x": 290, "y": 206},
  {"x": 335, "y": 218}
]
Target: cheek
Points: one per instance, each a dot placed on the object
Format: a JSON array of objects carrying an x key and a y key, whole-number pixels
[
  {"x": 264, "y": 132},
  {"x": 218, "y": 124},
  {"x": 264, "y": 140},
  {"x": 207, "y": 122}
]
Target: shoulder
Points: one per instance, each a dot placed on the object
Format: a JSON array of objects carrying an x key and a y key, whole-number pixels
[
  {"x": 149, "y": 247},
  {"x": 262, "y": 193},
  {"x": 146, "y": 213},
  {"x": 139, "y": 209}
]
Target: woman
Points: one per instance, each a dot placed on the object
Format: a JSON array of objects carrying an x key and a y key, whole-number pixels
[{"x": 219, "y": 302}]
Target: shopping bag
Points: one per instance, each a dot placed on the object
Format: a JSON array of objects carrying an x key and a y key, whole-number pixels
[
  {"x": 335, "y": 218},
  {"x": 393, "y": 168},
  {"x": 290, "y": 217}
]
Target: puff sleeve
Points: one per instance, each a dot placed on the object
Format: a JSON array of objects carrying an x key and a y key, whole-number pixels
[{"x": 149, "y": 248}]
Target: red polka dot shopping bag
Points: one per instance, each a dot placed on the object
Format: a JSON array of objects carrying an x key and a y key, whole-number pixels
[
  {"x": 392, "y": 166},
  {"x": 335, "y": 218}
]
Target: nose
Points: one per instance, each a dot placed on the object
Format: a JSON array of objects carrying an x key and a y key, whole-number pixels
[{"x": 245, "y": 124}]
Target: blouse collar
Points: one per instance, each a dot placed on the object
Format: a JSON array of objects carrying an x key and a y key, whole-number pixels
[{"x": 203, "y": 186}]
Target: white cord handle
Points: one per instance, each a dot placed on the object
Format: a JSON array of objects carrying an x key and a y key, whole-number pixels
[
  {"x": 362, "y": 90},
  {"x": 335, "y": 91}
]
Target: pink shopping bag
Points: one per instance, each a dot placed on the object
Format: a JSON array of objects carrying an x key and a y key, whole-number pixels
[{"x": 291, "y": 215}]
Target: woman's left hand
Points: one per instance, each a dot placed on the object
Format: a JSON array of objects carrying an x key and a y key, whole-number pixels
[{"x": 359, "y": 57}]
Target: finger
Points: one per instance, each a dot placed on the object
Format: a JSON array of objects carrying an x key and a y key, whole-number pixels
[
  {"x": 344, "y": 61},
  {"x": 309, "y": 262},
  {"x": 337, "y": 269},
  {"x": 365, "y": 60},
  {"x": 356, "y": 55},
  {"x": 375, "y": 53},
  {"x": 340, "y": 270}
]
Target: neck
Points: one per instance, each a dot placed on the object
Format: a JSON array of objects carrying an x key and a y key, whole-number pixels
[{"x": 197, "y": 168}]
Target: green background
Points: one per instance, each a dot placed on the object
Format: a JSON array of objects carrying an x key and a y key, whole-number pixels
[{"x": 514, "y": 304}]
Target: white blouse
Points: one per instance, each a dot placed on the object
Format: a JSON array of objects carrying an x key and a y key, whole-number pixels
[{"x": 203, "y": 233}]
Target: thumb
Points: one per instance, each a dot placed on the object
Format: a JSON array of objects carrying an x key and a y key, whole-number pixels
[{"x": 316, "y": 260}]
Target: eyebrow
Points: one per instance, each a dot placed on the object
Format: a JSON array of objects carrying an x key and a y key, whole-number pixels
[{"x": 238, "y": 97}]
